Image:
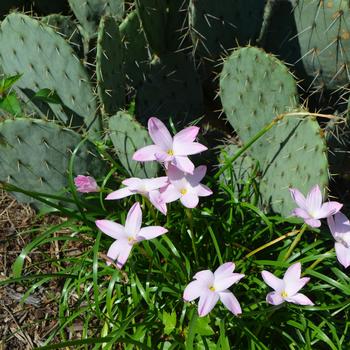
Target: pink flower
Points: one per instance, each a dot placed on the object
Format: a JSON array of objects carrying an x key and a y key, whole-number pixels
[
  {"x": 311, "y": 208},
  {"x": 286, "y": 289},
  {"x": 146, "y": 187},
  {"x": 128, "y": 235},
  {"x": 185, "y": 187},
  {"x": 85, "y": 184},
  {"x": 210, "y": 287},
  {"x": 340, "y": 228},
  {"x": 169, "y": 149}
]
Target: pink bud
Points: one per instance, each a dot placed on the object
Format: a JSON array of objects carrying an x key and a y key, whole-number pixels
[{"x": 86, "y": 184}]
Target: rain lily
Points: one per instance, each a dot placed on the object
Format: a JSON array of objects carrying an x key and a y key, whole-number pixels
[
  {"x": 128, "y": 235},
  {"x": 146, "y": 187},
  {"x": 311, "y": 208},
  {"x": 185, "y": 187},
  {"x": 209, "y": 287},
  {"x": 168, "y": 149},
  {"x": 340, "y": 228},
  {"x": 86, "y": 184},
  {"x": 286, "y": 289}
]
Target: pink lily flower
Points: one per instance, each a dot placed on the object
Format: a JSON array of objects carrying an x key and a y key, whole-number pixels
[
  {"x": 339, "y": 225},
  {"x": 86, "y": 184},
  {"x": 146, "y": 187},
  {"x": 311, "y": 208},
  {"x": 128, "y": 235},
  {"x": 186, "y": 187},
  {"x": 286, "y": 289},
  {"x": 209, "y": 287},
  {"x": 167, "y": 149}
]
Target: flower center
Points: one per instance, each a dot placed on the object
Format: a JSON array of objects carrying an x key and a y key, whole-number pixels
[
  {"x": 212, "y": 288},
  {"x": 131, "y": 240},
  {"x": 170, "y": 152},
  {"x": 183, "y": 191},
  {"x": 284, "y": 294}
]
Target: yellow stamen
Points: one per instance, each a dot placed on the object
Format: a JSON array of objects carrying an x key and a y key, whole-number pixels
[
  {"x": 183, "y": 191},
  {"x": 170, "y": 152},
  {"x": 284, "y": 294},
  {"x": 131, "y": 240},
  {"x": 212, "y": 289}
]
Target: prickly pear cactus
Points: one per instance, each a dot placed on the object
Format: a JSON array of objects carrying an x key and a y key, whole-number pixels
[
  {"x": 324, "y": 38},
  {"x": 218, "y": 26},
  {"x": 109, "y": 66},
  {"x": 172, "y": 89},
  {"x": 128, "y": 136},
  {"x": 295, "y": 145},
  {"x": 47, "y": 61},
  {"x": 89, "y": 12},
  {"x": 137, "y": 55},
  {"x": 35, "y": 155}
]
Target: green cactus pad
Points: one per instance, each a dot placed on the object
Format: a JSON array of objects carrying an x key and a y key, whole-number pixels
[
  {"x": 218, "y": 26},
  {"x": 35, "y": 154},
  {"x": 64, "y": 26},
  {"x": 128, "y": 136},
  {"x": 324, "y": 38},
  {"x": 172, "y": 89},
  {"x": 47, "y": 61},
  {"x": 136, "y": 52},
  {"x": 89, "y": 12},
  {"x": 248, "y": 102},
  {"x": 109, "y": 66}
]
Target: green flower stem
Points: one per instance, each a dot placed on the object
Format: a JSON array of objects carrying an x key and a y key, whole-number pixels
[
  {"x": 295, "y": 242},
  {"x": 191, "y": 233}
]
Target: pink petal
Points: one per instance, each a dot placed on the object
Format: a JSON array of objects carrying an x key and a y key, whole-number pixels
[
  {"x": 121, "y": 193},
  {"x": 293, "y": 273},
  {"x": 146, "y": 153},
  {"x": 272, "y": 281},
  {"x": 193, "y": 291},
  {"x": 188, "y": 148},
  {"x": 111, "y": 228},
  {"x": 343, "y": 254},
  {"x": 86, "y": 184},
  {"x": 184, "y": 164},
  {"x": 174, "y": 174},
  {"x": 119, "y": 250},
  {"x": 203, "y": 191},
  {"x": 314, "y": 199},
  {"x": 230, "y": 301},
  {"x": 313, "y": 222},
  {"x": 220, "y": 284},
  {"x": 151, "y": 232},
  {"x": 328, "y": 209},
  {"x": 197, "y": 176},
  {"x": 299, "y": 299},
  {"x": 301, "y": 213},
  {"x": 162, "y": 157},
  {"x": 156, "y": 183},
  {"x": 338, "y": 224},
  {"x": 157, "y": 200},
  {"x": 171, "y": 194},
  {"x": 133, "y": 220},
  {"x": 206, "y": 277},
  {"x": 189, "y": 200},
  {"x": 160, "y": 134},
  {"x": 186, "y": 135},
  {"x": 274, "y": 298},
  {"x": 132, "y": 182},
  {"x": 298, "y": 198},
  {"x": 293, "y": 288},
  {"x": 207, "y": 301},
  {"x": 224, "y": 270}
]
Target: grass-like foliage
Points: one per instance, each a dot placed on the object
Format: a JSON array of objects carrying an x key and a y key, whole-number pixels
[{"x": 141, "y": 306}]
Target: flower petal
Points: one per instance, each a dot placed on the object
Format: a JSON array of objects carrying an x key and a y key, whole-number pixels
[
  {"x": 206, "y": 302},
  {"x": 157, "y": 200},
  {"x": 230, "y": 301},
  {"x": 203, "y": 191},
  {"x": 328, "y": 209},
  {"x": 271, "y": 280},
  {"x": 293, "y": 288},
  {"x": 224, "y": 270},
  {"x": 171, "y": 194},
  {"x": 147, "y": 153},
  {"x": 197, "y": 176},
  {"x": 313, "y": 222},
  {"x": 299, "y": 299},
  {"x": 186, "y": 135},
  {"x": 156, "y": 183},
  {"x": 193, "y": 291},
  {"x": 120, "y": 251},
  {"x": 206, "y": 277},
  {"x": 190, "y": 199},
  {"x": 132, "y": 182},
  {"x": 188, "y": 148},
  {"x": 343, "y": 254},
  {"x": 151, "y": 232},
  {"x": 111, "y": 228},
  {"x": 220, "y": 284},
  {"x": 338, "y": 224},
  {"x": 133, "y": 220},
  {"x": 301, "y": 213},
  {"x": 292, "y": 274},
  {"x": 274, "y": 298},
  {"x": 298, "y": 198},
  {"x": 314, "y": 199},
  {"x": 160, "y": 134},
  {"x": 121, "y": 193},
  {"x": 184, "y": 164}
]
